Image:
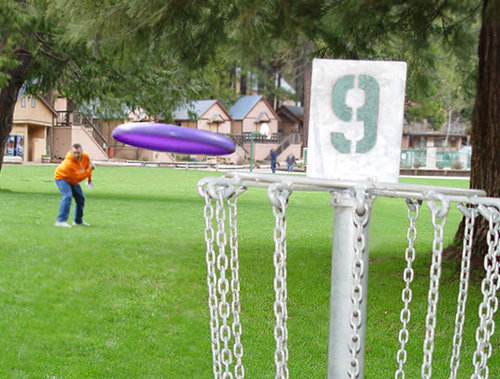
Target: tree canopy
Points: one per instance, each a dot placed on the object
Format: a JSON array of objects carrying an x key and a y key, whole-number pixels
[{"x": 157, "y": 53}]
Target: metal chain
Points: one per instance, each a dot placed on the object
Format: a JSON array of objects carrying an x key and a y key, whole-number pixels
[
  {"x": 212, "y": 285},
  {"x": 361, "y": 215},
  {"x": 220, "y": 288},
  {"x": 239, "y": 370},
  {"x": 223, "y": 285},
  {"x": 470, "y": 214},
  {"x": 489, "y": 287},
  {"x": 279, "y": 199},
  {"x": 413, "y": 208},
  {"x": 438, "y": 222}
]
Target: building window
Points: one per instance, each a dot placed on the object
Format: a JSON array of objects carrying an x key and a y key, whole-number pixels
[
  {"x": 23, "y": 102},
  {"x": 33, "y": 102},
  {"x": 440, "y": 142}
]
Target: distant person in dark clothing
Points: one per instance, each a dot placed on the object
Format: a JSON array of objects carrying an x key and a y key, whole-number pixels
[
  {"x": 290, "y": 161},
  {"x": 274, "y": 156}
]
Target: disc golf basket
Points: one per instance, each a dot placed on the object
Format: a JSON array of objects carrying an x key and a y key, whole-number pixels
[{"x": 352, "y": 201}]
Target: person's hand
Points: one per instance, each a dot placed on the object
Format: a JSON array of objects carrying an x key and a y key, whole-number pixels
[{"x": 92, "y": 166}]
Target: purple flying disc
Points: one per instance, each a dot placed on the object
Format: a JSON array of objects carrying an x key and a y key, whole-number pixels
[{"x": 172, "y": 138}]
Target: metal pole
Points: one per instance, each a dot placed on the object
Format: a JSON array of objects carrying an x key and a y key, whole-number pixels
[{"x": 344, "y": 235}]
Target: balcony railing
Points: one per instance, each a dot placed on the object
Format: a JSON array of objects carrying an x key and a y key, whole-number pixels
[
  {"x": 257, "y": 138},
  {"x": 67, "y": 118},
  {"x": 64, "y": 118}
]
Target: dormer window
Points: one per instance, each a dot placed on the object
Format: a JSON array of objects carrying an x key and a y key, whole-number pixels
[
  {"x": 23, "y": 102},
  {"x": 216, "y": 119},
  {"x": 33, "y": 102},
  {"x": 263, "y": 117}
]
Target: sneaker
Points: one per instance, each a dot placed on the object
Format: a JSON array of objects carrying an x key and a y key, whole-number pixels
[
  {"x": 62, "y": 224},
  {"x": 83, "y": 223}
]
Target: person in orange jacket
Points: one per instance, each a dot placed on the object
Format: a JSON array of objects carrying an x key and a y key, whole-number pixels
[{"x": 75, "y": 168}]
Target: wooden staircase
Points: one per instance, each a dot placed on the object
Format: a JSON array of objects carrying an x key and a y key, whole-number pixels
[
  {"x": 77, "y": 121},
  {"x": 294, "y": 138}
]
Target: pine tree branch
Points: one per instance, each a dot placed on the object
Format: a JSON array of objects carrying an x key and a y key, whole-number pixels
[
  {"x": 54, "y": 57},
  {"x": 47, "y": 47},
  {"x": 21, "y": 51},
  {"x": 74, "y": 70},
  {"x": 40, "y": 39}
]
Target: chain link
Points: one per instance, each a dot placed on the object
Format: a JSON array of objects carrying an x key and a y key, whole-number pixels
[
  {"x": 279, "y": 201},
  {"x": 223, "y": 291},
  {"x": 489, "y": 287},
  {"x": 223, "y": 286},
  {"x": 212, "y": 285},
  {"x": 239, "y": 370},
  {"x": 438, "y": 214},
  {"x": 361, "y": 215},
  {"x": 470, "y": 214},
  {"x": 413, "y": 208}
]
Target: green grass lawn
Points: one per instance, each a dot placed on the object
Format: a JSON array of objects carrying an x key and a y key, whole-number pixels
[{"x": 127, "y": 297}]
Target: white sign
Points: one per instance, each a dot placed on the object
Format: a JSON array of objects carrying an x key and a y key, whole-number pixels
[{"x": 356, "y": 119}]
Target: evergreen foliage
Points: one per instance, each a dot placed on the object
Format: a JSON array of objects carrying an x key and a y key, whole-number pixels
[{"x": 158, "y": 53}]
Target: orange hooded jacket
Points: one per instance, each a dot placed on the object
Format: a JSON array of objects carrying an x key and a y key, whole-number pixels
[{"x": 73, "y": 171}]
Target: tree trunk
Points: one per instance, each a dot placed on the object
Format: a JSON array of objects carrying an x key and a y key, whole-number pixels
[
  {"x": 8, "y": 99},
  {"x": 485, "y": 160},
  {"x": 277, "y": 84},
  {"x": 243, "y": 83}
]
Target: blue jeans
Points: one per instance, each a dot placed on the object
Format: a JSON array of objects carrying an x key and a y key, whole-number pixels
[
  {"x": 67, "y": 191},
  {"x": 273, "y": 166}
]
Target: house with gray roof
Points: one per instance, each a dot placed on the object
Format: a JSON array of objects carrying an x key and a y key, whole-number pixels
[
  {"x": 208, "y": 115},
  {"x": 250, "y": 112},
  {"x": 291, "y": 120}
]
